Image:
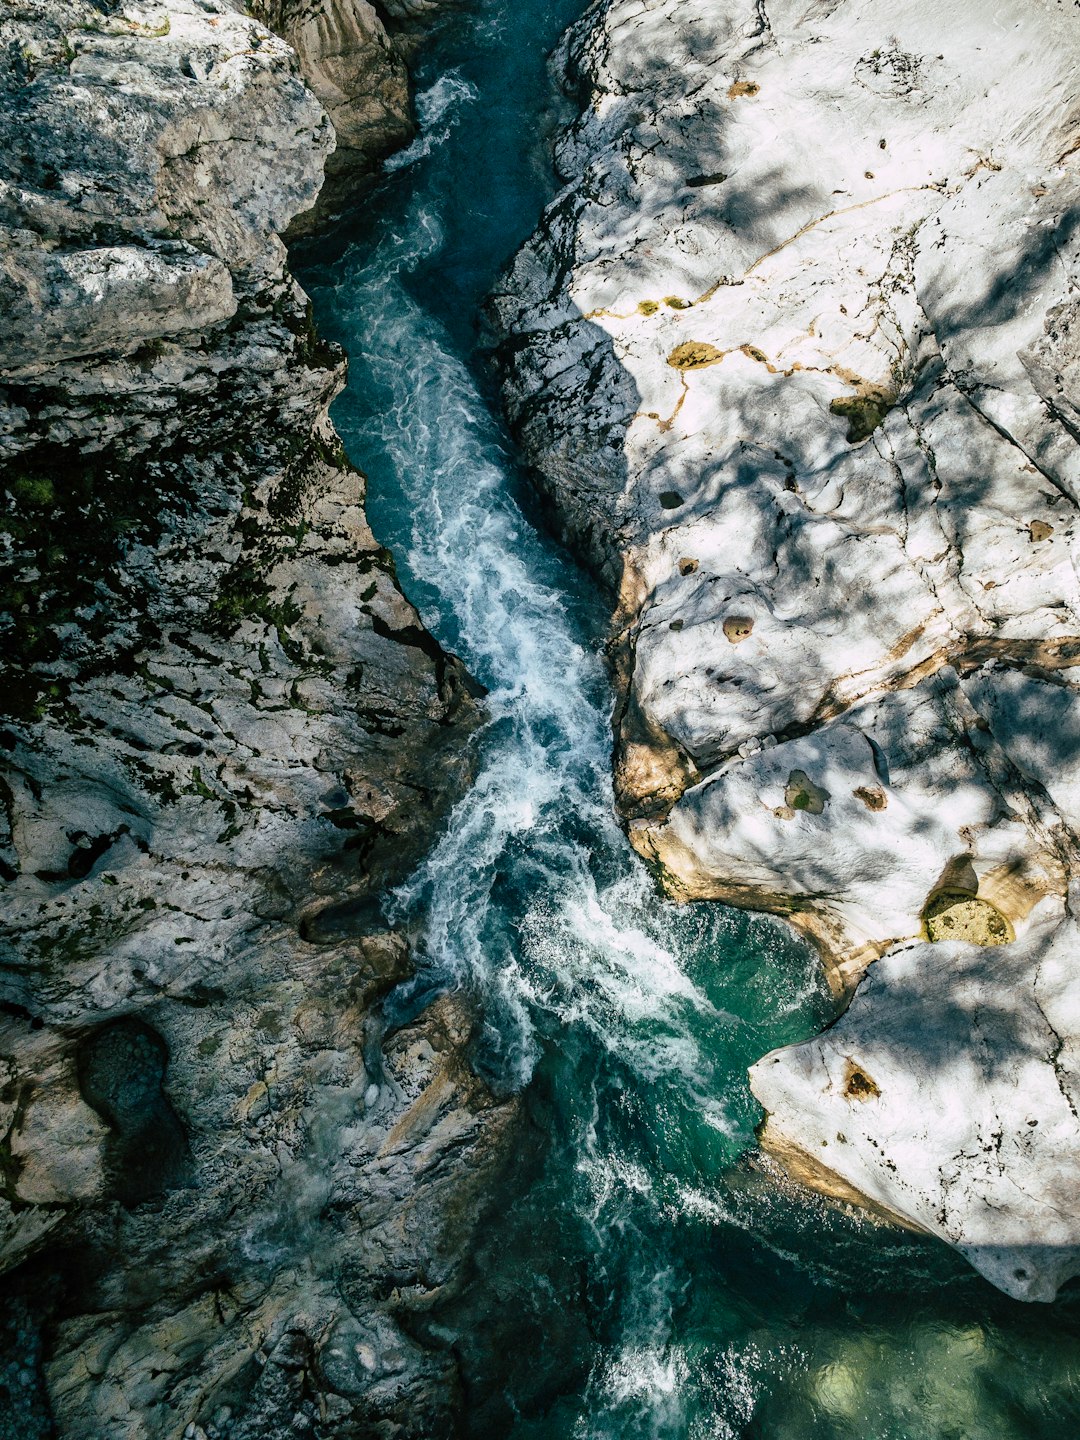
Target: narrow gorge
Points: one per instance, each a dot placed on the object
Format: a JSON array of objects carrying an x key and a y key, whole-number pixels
[{"x": 359, "y": 1079}]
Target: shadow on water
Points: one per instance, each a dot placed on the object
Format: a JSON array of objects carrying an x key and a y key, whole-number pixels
[{"x": 639, "y": 1275}]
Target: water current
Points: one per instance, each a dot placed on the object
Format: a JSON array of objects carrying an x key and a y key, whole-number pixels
[{"x": 637, "y": 1275}]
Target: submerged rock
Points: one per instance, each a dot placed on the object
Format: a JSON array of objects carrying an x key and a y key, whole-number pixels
[
  {"x": 220, "y": 718},
  {"x": 792, "y": 355}
]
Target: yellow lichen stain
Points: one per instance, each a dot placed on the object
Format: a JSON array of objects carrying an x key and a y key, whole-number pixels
[
  {"x": 687, "y": 566},
  {"x": 738, "y": 628},
  {"x": 647, "y": 307},
  {"x": 864, "y": 412},
  {"x": 959, "y": 915},
  {"x": 676, "y": 302},
  {"x": 665, "y": 425},
  {"x": 1039, "y": 530},
  {"x": 694, "y": 355},
  {"x": 858, "y": 1085},
  {"x": 743, "y": 87}
]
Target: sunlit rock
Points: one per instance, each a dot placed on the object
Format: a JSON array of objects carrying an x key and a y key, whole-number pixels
[
  {"x": 947, "y": 1095},
  {"x": 794, "y": 357}
]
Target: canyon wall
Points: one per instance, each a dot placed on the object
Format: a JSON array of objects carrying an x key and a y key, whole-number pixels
[
  {"x": 353, "y": 56},
  {"x": 230, "y": 1190},
  {"x": 794, "y": 356}
]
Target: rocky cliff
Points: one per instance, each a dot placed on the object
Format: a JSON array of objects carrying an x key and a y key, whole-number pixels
[
  {"x": 353, "y": 56},
  {"x": 794, "y": 354},
  {"x": 230, "y": 1191}
]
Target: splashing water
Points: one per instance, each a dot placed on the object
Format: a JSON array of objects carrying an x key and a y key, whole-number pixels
[
  {"x": 583, "y": 944},
  {"x": 438, "y": 104},
  {"x": 636, "y": 1278}
]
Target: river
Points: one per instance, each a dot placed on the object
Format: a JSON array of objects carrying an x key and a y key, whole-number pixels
[{"x": 638, "y": 1275}]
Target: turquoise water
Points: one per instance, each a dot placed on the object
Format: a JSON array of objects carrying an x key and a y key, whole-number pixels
[{"x": 637, "y": 1275}]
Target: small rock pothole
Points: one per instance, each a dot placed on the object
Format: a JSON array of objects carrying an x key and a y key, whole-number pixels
[{"x": 959, "y": 915}]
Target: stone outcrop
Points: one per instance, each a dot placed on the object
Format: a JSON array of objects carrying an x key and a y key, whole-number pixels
[
  {"x": 794, "y": 355},
  {"x": 353, "y": 56},
  {"x": 230, "y": 1188},
  {"x": 947, "y": 1094}
]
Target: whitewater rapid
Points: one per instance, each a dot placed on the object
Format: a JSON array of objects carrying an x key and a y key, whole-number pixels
[{"x": 539, "y": 818}]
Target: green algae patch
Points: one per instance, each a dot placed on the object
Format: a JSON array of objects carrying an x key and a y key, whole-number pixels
[
  {"x": 864, "y": 413},
  {"x": 959, "y": 915},
  {"x": 872, "y": 796},
  {"x": 802, "y": 794},
  {"x": 694, "y": 355}
]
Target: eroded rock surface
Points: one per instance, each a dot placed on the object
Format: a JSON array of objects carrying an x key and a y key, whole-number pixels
[
  {"x": 353, "y": 56},
  {"x": 229, "y": 1188},
  {"x": 948, "y": 1093},
  {"x": 794, "y": 356}
]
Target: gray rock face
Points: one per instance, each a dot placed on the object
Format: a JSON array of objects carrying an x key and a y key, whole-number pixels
[
  {"x": 794, "y": 357},
  {"x": 225, "y": 733},
  {"x": 353, "y": 56}
]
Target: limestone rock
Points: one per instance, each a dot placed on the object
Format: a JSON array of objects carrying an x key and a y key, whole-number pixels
[
  {"x": 355, "y": 71},
  {"x": 947, "y": 1094},
  {"x": 854, "y": 829},
  {"x": 353, "y": 55},
  {"x": 794, "y": 357},
  {"x": 91, "y": 300},
  {"x": 224, "y": 733}
]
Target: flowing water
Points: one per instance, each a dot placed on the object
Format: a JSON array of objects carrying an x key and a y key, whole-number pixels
[{"x": 637, "y": 1275}]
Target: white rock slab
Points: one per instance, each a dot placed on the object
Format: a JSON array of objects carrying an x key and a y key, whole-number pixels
[{"x": 948, "y": 1093}]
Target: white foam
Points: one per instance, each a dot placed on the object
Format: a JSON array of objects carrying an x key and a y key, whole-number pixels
[
  {"x": 442, "y": 102},
  {"x": 589, "y": 947}
]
